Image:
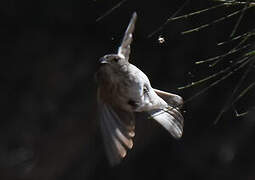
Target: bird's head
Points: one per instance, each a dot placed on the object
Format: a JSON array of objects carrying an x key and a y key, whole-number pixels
[
  {"x": 113, "y": 60},
  {"x": 111, "y": 65}
]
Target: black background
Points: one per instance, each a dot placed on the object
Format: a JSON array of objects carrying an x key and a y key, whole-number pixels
[{"x": 48, "y": 127}]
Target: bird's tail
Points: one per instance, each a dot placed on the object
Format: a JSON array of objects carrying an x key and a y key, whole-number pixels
[{"x": 171, "y": 119}]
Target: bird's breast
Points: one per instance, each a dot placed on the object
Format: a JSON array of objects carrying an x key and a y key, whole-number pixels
[{"x": 115, "y": 88}]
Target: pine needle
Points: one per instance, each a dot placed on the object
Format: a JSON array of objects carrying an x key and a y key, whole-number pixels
[
  {"x": 110, "y": 10},
  {"x": 216, "y": 82},
  {"x": 212, "y": 23},
  {"x": 230, "y": 99},
  {"x": 227, "y": 69}
]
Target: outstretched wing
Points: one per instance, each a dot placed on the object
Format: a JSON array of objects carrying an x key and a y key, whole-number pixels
[
  {"x": 117, "y": 128},
  {"x": 124, "y": 49}
]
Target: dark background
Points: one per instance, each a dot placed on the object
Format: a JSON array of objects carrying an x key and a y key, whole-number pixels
[{"x": 48, "y": 127}]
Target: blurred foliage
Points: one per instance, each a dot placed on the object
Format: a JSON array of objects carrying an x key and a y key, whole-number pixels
[{"x": 237, "y": 57}]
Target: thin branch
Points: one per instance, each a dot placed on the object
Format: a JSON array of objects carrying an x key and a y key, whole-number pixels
[
  {"x": 229, "y": 52},
  {"x": 223, "y": 55},
  {"x": 250, "y": 33},
  {"x": 194, "y": 13},
  {"x": 215, "y": 74},
  {"x": 244, "y": 92},
  {"x": 237, "y": 114},
  {"x": 228, "y": 102},
  {"x": 166, "y": 22},
  {"x": 110, "y": 10},
  {"x": 173, "y": 18},
  {"x": 233, "y": 2},
  {"x": 240, "y": 18},
  {"x": 216, "y": 82},
  {"x": 251, "y": 53},
  {"x": 212, "y": 23}
]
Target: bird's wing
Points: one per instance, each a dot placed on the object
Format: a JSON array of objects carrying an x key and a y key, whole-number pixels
[
  {"x": 171, "y": 99},
  {"x": 117, "y": 128},
  {"x": 124, "y": 49},
  {"x": 171, "y": 119}
]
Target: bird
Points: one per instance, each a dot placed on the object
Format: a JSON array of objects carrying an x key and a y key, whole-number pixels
[{"x": 122, "y": 90}]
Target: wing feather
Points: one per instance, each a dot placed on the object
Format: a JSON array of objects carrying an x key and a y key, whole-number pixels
[
  {"x": 124, "y": 49},
  {"x": 171, "y": 119},
  {"x": 117, "y": 135}
]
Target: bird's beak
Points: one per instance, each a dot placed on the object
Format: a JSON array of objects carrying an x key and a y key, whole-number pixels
[{"x": 102, "y": 60}]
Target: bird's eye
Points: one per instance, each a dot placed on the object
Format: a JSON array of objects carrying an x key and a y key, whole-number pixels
[
  {"x": 116, "y": 59},
  {"x": 145, "y": 89}
]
